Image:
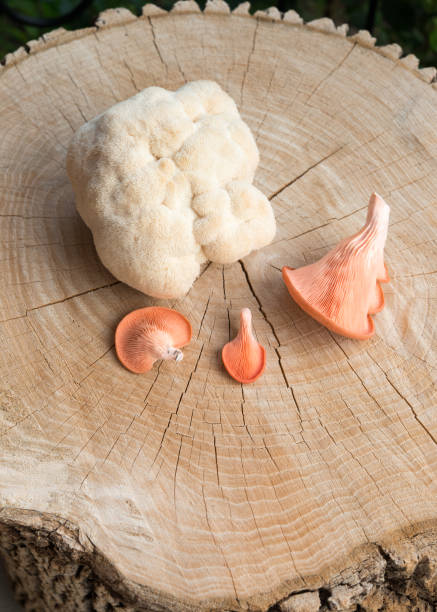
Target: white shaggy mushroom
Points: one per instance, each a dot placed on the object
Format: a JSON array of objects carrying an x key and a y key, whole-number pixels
[{"x": 164, "y": 182}]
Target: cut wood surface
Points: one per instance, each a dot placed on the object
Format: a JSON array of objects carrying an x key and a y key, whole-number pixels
[{"x": 182, "y": 489}]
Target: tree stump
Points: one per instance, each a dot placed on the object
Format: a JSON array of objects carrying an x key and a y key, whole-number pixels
[{"x": 315, "y": 487}]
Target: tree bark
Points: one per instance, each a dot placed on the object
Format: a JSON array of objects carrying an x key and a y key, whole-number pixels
[{"x": 313, "y": 488}]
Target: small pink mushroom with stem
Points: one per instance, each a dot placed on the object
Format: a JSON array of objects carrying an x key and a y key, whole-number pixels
[
  {"x": 244, "y": 358},
  {"x": 145, "y": 335}
]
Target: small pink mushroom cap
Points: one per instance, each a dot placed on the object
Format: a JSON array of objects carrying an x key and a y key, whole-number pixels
[
  {"x": 145, "y": 335},
  {"x": 244, "y": 358}
]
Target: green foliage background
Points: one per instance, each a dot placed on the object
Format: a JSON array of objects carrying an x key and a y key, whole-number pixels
[{"x": 410, "y": 23}]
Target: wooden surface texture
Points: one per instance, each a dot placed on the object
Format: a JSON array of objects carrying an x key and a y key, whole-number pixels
[{"x": 198, "y": 492}]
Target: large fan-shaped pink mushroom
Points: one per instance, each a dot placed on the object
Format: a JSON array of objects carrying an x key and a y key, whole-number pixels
[{"x": 342, "y": 289}]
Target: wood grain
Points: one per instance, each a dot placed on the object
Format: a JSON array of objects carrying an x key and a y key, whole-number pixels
[{"x": 198, "y": 492}]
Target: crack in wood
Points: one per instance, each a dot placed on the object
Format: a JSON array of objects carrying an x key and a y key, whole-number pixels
[
  {"x": 226, "y": 302},
  {"x": 329, "y": 75},
  {"x": 175, "y": 412},
  {"x": 175, "y": 479},
  {"x": 288, "y": 239},
  {"x": 296, "y": 178},
  {"x": 101, "y": 356},
  {"x": 275, "y": 268},
  {"x": 155, "y": 44},
  {"x": 203, "y": 316},
  {"x": 219, "y": 547},
  {"x": 276, "y": 348},
  {"x": 131, "y": 74},
  {"x": 81, "y": 91},
  {"x": 379, "y": 406},
  {"x": 243, "y": 82},
  {"x": 104, "y": 67},
  {"x": 70, "y": 297},
  {"x": 26, "y": 217},
  {"x": 419, "y": 275},
  {"x": 244, "y": 418},
  {"x": 409, "y": 404},
  {"x": 153, "y": 383},
  {"x": 269, "y": 86},
  {"x": 216, "y": 460},
  {"x": 357, "y": 375}
]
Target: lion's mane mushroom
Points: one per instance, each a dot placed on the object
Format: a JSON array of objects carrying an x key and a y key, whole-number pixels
[{"x": 163, "y": 180}]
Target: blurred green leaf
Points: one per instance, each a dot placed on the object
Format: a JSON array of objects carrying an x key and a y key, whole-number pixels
[
  {"x": 400, "y": 14},
  {"x": 433, "y": 38}
]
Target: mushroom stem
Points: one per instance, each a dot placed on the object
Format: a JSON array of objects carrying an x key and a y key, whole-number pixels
[
  {"x": 245, "y": 333},
  {"x": 159, "y": 343},
  {"x": 174, "y": 353}
]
